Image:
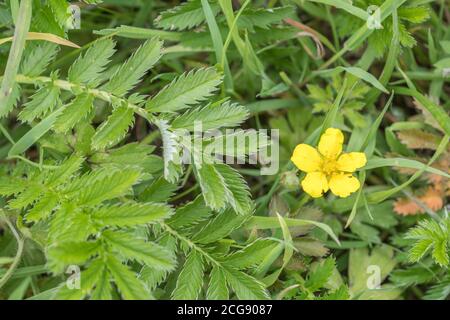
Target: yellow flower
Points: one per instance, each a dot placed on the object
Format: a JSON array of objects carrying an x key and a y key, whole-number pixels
[{"x": 327, "y": 167}]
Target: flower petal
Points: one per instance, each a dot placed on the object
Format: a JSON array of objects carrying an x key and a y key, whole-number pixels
[
  {"x": 306, "y": 158},
  {"x": 315, "y": 184},
  {"x": 330, "y": 144},
  {"x": 349, "y": 162},
  {"x": 343, "y": 184}
]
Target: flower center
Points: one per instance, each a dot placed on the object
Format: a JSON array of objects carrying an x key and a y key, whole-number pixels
[{"x": 329, "y": 166}]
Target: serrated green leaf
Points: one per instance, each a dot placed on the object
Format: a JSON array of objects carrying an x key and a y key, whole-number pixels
[
  {"x": 159, "y": 191},
  {"x": 60, "y": 11},
  {"x": 114, "y": 129},
  {"x": 439, "y": 291},
  {"x": 238, "y": 195},
  {"x": 74, "y": 112},
  {"x": 263, "y": 18},
  {"x": 27, "y": 197},
  {"x": 251, "y": 255},
  {"x": 191, "y": 213},
  {"x": 219, "y": 227},
  {"x": 11, "y": 101},
  {"x": 103, "y": 288},
  {"x": 429, "y": 235},
  {"x": 212, "y": 117},
  {"x": 148, "y": 253},
  {"x": 131, "y": 72},
  {"x": 42, "y": 208},
  {"x": 190, "y": 280},
  {"x": 127, "y": 283},
  {"x": 244, "y": 286},
  {"x": 131, "y": 214},
  {"x": 88, "y": 67},
  {"x": 43, "y": 101},
  {"x": 36, "y": 61},
  {"x": 102, "y": 185},
  {"x": 319, "y": 276},
  {"x": 64, "y": 171},
  {"x": 185, "y": 16},
  {"x": 213, "y": 186},
  {"x": 217, "y": 287},
  {"x": 71, "y": 253},
  {"x": 186, "y": 90}
]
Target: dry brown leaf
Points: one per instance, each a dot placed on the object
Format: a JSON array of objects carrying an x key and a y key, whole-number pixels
[
  {"x": 432, "y": 198},
  {"x": 406, "y": 207},
  {"x": 418, "y": 139},
  {"x": 309, "y": 32}
]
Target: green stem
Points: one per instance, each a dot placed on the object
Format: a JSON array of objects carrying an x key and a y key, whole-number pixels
[
  {"x": 15, "y": 54},
  {"x": 34, "y": 164},
  {"x": 99, "y": 94},
  {"x": 6, "y": 134},
  {"x": 18, "y": 257},
  {"x": 186, "y": 177},
  {"x": 230, "y": 33},
  {"x": 185, "y": 193}
]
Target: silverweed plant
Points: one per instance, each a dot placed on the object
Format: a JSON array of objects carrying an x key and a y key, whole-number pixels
[{"x": 185, "y": 149}]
